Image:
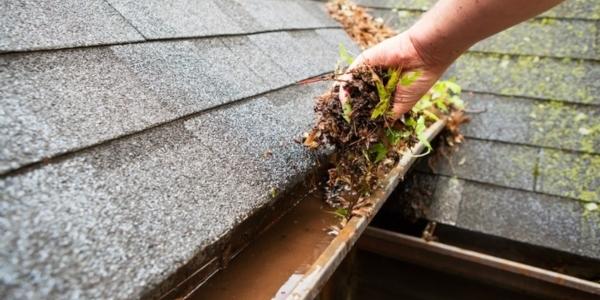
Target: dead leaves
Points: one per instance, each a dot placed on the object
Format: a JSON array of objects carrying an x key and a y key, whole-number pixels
[
  {"x": 360, "y": 26},
  {"x": 456, "y": 119}
]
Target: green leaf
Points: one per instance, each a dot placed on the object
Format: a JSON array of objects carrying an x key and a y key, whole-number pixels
[
  {"x": 453, "y": 87},
  {"x": 445, "y": 93},
  {"x": 395, "y": 136},
  {"x": 394, "y": 77},
  {"x": 420, "y": 127},
  {"x": 411, "y": 122},
  {"x": 380, "y": 109},
  {"x": 384, "y": 101},
  {"x": 430, "y": 115},
  {"x": 420, "y": 132},
  {"x": 347, "y": 110},
  {"x": 438, "y": 90},
  {"x": 385, "y": 93},
  {"x": 423, "y": 103},
  {"x": 344, "y": 55},
  {"x": 457, "y": 102},
  {"x": 379, "y": 151},
  {"x": 381, "y": 91},
  {"x": 439, "y": 103},
  {"x": 341, "y": 212},
  {"x": 409, "y": 77}
]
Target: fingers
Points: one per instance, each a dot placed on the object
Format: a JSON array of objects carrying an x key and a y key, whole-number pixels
[
  {"x": 405, "y": 97},
  {"x": 374, "y": 56},
  {"x": 401, "y": 106}
]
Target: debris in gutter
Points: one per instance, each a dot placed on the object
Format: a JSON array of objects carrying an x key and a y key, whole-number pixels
[{"x": 368, "y": 143}]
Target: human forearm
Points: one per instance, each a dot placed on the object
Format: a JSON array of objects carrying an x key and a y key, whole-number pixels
[{"x": 452, "y": 26}]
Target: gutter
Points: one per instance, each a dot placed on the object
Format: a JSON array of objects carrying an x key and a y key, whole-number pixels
[{"x": 309, "y": 284}]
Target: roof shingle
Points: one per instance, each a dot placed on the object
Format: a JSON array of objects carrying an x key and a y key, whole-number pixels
[
  {"x": 79, "y": 224},
  {"x": 33, "y": 25},
  {"x": 131, "y": 149}
]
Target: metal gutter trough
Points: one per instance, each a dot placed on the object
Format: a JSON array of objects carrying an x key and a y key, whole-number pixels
[
  {"x": 308, "y": 285},
  {"x": 296, "y": 256}
]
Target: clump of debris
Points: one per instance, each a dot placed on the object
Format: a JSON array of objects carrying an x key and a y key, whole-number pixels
[{"x": 368, "y": 142}]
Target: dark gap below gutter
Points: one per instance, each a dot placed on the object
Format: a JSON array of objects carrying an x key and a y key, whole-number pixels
[{"x": 537, "y": 256}]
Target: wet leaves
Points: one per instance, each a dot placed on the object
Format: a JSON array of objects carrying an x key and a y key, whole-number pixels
[{"x": 368, "y": 144}]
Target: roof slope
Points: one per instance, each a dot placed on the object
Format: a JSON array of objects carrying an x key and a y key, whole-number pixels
[
  {"x": 134, "y": 133},
  {"x": 532, "y": 156}
]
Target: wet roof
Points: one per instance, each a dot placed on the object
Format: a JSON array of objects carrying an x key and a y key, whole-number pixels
[
  {"x": 531, "y": 160},
  {"x": 134, "y": 134}
]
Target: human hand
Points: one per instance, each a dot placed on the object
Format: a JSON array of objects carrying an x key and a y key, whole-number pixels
[
  {"x": 440, "y": 36},
  {"x": 401, "y": 52}
]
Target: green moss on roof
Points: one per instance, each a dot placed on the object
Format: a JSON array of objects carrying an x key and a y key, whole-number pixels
[
  {"x": 583, "y": 9},
  {"x": 543, "y": 37},
  {"x": 560, "y": 125},
  {"x": 572, "y": 175},
  {"x": 529, "y": 76},
  {"x": 586, "y": 9}
]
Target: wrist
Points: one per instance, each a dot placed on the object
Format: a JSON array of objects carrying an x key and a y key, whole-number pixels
[
  {"x": 431, "y": 52},
  {"x": 434, "y": 46}
]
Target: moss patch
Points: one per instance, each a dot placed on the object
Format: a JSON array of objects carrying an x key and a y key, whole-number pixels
[
  {"x": 570, "y": 175},
  {"x": 529, "y": 76},
  {"x": 561, "y": 125}
]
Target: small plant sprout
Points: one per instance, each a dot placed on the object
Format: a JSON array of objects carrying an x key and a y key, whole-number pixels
[
  {"x": 440, "y": 97},
  {"x": 394, "y": 136},
  {"x": 342, "y": 213},
  {"x": 344, "y": 55},
  {"x": 420, "y": 132},
  {"x": 347, "y": 109},
  {"x": 378, "y": 152},
  {"x": 409, "y": 77},
  {"x": 385, "y": 92}
]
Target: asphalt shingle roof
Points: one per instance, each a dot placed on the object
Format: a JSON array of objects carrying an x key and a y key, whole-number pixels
[
  {"x": 133, "y": 134},
  {"x": 135, "y": 142},
  {"x": 33, "y": 25},
  {"x": 532, "y": 156}
]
